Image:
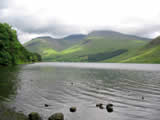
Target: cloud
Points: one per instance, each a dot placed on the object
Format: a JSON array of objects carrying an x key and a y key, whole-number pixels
[
  {"x": 5, "y": 4},
  {"x": 63, "y": 17},
  {"x": 35, "y": 24},
  {"x": 31, "y": 24},
  {"x": 149, "y": 31}
]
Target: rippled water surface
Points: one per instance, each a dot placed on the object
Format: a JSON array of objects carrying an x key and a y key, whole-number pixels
[{"x": 62, "y": 85}]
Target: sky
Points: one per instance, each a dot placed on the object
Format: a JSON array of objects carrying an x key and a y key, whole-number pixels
[{"x": 58, "y": 18}]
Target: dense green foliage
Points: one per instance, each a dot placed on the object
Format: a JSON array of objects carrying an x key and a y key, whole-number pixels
[
  {"x": 11, "y": 51},
  {"x": 95, "y": 47}
]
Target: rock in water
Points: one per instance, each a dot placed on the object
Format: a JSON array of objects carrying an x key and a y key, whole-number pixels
[
  {"x": 73, "y": 109},
  {"x": 109, "y": 107},
  {"x": 56, "y": 116},
  {"x": 34, "y": 116},
  {"x": 46, "y": 105},
  {"x": 100, "y": 105}
]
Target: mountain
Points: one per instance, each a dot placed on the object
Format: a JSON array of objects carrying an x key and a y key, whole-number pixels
[
  {"x": 45, "y": 43},
  {"x": 105, "y": 33},
  {"x": 154, "y": 42},
  {"x": 150, "y": 53},
  {"x": 11, "y": 51},
  {"x": 94, "y": 47},
  {"x": 76, "y": 37}
]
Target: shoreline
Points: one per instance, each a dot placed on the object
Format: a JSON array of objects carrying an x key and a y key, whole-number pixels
[{"x": 7, "y": 113}]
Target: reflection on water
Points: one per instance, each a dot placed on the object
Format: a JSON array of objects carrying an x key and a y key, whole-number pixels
[
  {"x": 83, "y": 85},
  {"x": 8, "y": 82}
]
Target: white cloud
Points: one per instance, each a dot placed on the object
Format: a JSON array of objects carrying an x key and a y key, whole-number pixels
[{"x": 62, "y": 17}]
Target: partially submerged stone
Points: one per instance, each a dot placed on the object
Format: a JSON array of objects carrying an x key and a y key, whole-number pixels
[
  {"x": 100, "y": 105},
  {"x": 34, "y": 116},
  {"x": 56, "y": 116},
  {"x": 73, "y": 109},
  {"x": 109, "y": 107},
  {"x": 46, "y": 105}
]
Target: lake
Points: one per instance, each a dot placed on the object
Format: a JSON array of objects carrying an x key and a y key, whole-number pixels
[{"x": 133, "y": 89}]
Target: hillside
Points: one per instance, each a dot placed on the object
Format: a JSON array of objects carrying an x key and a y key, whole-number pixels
[
  {"x": 42, "y": 44},
  {"x": 94, "y": 47},
  {"x": 150, "y": 53},
  {"x": 11, "y": 51}
]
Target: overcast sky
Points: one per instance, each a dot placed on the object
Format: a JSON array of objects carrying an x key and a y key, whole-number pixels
[{"x": 32, "y": 18}]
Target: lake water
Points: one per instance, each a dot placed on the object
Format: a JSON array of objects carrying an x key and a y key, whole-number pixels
[{"x": 26, "y": 88}]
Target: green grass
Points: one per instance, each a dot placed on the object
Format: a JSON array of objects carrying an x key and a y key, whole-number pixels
[
  {"x": 49, "y": 52},
  {"x": 142, "y": 55},
  {"x": 71, "y": 50},
  {"x": 151, "y": 55}
]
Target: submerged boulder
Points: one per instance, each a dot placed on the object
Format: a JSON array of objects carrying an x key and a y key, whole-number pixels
[
  {"x": 56, "y": 116},
  {"x": 34, "y": 116},
  {"x": 73, "y": 109}
]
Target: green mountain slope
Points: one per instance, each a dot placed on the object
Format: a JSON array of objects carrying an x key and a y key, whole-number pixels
[
  {"x": 11, "y": 51},
  {"x": 148, "y": 54},
  {"x": 43, "y": 45},
  {"x": 96, "y": 46},
  {"x": 94, "y": 49}
]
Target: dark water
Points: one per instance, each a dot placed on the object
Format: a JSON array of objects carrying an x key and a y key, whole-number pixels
[{"x": 62, "y": 85}]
